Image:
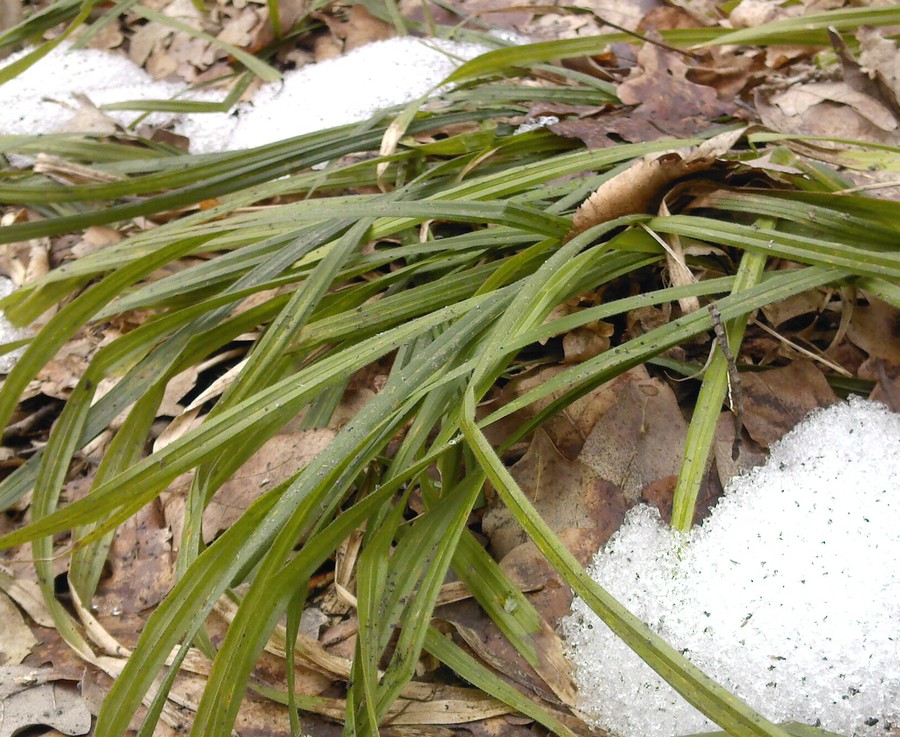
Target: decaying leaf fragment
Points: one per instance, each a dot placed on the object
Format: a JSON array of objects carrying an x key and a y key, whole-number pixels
[
  {"x": 30, "y": 697},
  {"x": 16, "y": 638}
]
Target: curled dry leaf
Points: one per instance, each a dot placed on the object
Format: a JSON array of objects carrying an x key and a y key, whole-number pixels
[
  {"x": 830, "y": 109},
  {"x": 642, "y": 187},
  {"x": 637, "y": 189},
  {"x": 27, "y": 594}
]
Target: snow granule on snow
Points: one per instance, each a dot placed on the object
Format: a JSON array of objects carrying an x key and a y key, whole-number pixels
[
  {"x": 788, "y": 595},
  {"x": 347, "y": 89}
]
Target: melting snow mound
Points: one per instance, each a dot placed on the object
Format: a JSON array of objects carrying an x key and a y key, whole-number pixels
[
  {"x": 788, "y": 595},
  {"x": 347, "y": 89}
]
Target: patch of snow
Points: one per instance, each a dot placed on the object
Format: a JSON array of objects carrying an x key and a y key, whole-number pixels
[
  {"x": 346, "y": 89},
  {"x": 788, "y": 595},
  {"x": 9, "y": 333},
  {"x": 542, "y": 121},
  {"x": 334, "y": 92},
  {"x": 43, "y": 98}
]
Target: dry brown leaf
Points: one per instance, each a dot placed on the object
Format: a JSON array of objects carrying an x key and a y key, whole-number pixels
[
  {"x": 146, "y": 40},
  {"x": 11, "y": 13},
  {"x": 88, "y": 118},
  {"x": 671, "y": 104},
  {"x": 876, "y": 328},
  {"x": 567, "y": 430},
  {"x": 586, "y": 342},
  {"x": 640, "y": 439},
  {"x": 497, "y": 727},
  {"x": 749, "y": 456},
  {"x": 830, "y": 109},
  {"x": 728, "y": 72},
  {"x": 887, "y": 381},
  {"x": 142, "y": 565},
  {"x": 643, "y": 185},
  {"x": 637, "y": 189},
  {"x": 27, "y": 594},
  {"x": 279, "y": 458},
  {"x": 565, "y": 493},
  {"x": 753, "y": 13},
  {"x": 798, "y": 101},
  {"x": 241, "y": 31},
  {"x": 668, "y": 103},
  {"x": 880, "y": 59},
  {"x": 776, "y": 400},
  {"x": 109, "y": 37},
  {"x": 60, "y": 375},
  {"x": 359, "y": 29},
  {"x": 96, "y": 238},
  {"x": 553, "y": 683},
  {"x": 806, "y": 303},
  {"x": 704, "y": 12}
]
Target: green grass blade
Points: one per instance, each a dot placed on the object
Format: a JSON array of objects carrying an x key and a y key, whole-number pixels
[{"x": 701, "y": 431}]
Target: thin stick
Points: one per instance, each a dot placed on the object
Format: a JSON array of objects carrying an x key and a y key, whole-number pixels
[{"x": 735, "y": 394}]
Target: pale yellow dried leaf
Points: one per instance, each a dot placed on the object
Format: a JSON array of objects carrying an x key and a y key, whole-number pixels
[
  {"x": 16, "y": 637},
  {"x": 27, "y": 594}
]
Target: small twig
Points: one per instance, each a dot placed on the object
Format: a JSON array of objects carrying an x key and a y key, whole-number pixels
[
  {"x": 800, "y": 349},
  {"x": 735, "y": 394}
]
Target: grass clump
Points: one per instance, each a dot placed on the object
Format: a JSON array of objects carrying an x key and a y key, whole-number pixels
[{"x": 444, "y": 280}]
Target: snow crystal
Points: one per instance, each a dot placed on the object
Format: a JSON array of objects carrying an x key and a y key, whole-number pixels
[{"x": 788, "y": 595}]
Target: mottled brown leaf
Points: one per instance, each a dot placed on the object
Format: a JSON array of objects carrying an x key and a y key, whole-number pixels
[{"x": 141, "y": 564}]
